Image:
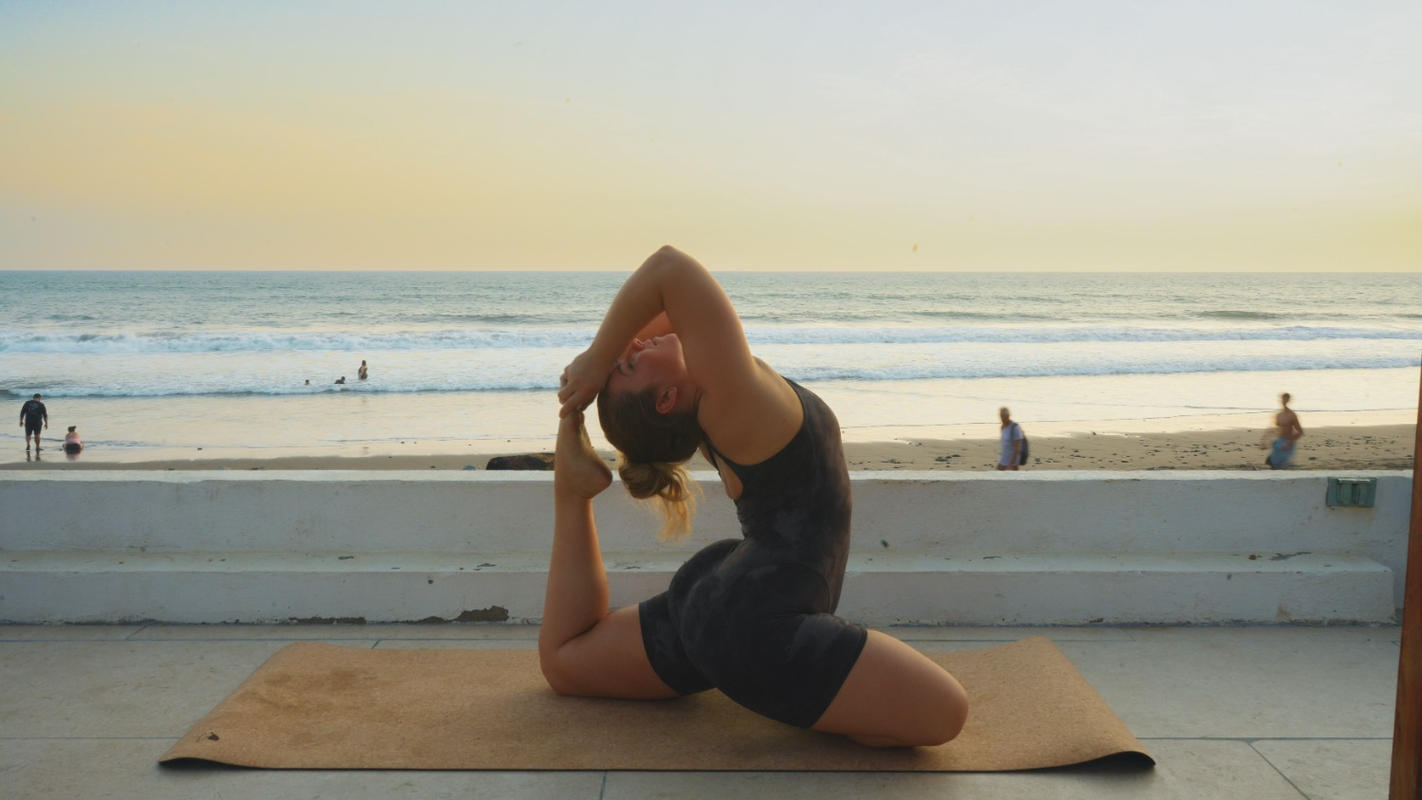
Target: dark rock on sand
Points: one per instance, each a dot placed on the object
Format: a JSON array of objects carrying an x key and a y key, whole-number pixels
[{"x": 543, "y": 461}]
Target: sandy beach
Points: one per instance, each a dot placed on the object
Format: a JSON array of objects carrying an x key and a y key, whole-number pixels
[
  {"x": 1353, "y": 447},
  {"x": 1353, "y": 419}
]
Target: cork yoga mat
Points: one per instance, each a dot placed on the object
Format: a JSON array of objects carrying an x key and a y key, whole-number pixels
[{"x": 320, "y": 706}]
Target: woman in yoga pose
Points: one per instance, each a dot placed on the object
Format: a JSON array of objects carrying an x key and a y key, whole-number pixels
[{"x": 753, "y": 617}]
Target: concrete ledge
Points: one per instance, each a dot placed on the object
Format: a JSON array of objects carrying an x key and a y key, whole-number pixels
[
  {"x": 472, "y": 512},
  {"x": 930, "y": 547},
  {"x": 1086, "y": 589},
  {"x": 991, "y": 590}
]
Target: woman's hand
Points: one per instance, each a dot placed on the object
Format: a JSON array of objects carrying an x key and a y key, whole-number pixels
[
  {"x": 581, "y": 381},
  {"x": 577, "y": 468}
]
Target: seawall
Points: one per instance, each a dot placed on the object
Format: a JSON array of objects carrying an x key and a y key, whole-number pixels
[{"x": 929, "y": 547}]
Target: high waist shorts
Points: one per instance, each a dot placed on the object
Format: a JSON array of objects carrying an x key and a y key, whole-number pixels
[{"x": 759, "y": 631}]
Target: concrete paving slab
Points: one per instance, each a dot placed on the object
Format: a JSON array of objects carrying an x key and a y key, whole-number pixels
[
  {"x": 457, "y": 644},
  {"x": 327, "y": 632},
  {"x": 1332, "y": 769},
  {"x": 1199, "y": 770},
  {"x": 513, "y": 632},
  {"x": 929, "y": 645},
  {"x": 88, "y": 689},
  {"x": 1248, "y": 683},
  {"x": 487, "y": 631},
  {"x": 1284, "y": 633},
  {"x": 65, "y": 633},
  {"x": 976, "y": 633},
  {"x": 128, "y": 769},
  {"x": 1228, "y": 712}
]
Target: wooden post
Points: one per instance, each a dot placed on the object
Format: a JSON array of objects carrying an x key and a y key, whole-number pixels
[{"x": 1407, "y": 725}]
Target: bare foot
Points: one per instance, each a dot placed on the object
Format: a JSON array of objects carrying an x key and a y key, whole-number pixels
[{"x": 577, "y": 468}]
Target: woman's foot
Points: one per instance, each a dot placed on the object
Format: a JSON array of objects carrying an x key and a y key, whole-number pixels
[{"x": 577, "y": 468}]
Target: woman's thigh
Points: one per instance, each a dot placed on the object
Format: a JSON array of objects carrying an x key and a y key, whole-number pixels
[
  {"x": 608, "y": 660},
  {"x": 896, "y": 696}
]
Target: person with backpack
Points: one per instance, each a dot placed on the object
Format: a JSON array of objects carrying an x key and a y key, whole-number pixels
[{"x": 1012, "y": 452}]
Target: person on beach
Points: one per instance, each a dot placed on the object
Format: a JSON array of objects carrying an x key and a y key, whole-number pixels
[
  {"x": 1289, "y": 431},
  {"x": 72, "y": 445},
  {"x": 1011, "y": 440},
  {"x": 672, "y": 374},
  {"x": 341, "y": 381},
  {"x": 362, "y": 373},
  {"x": 32, "y": 416}
]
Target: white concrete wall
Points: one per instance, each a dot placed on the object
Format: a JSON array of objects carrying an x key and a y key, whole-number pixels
[{"x": 917, "y": 521}]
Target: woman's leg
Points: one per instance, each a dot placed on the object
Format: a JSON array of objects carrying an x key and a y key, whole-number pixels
[
  {"x": 584, "y": 649},
  {"x": 895, "y": 696}
]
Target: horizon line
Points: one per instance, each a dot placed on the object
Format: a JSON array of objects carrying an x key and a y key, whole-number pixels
[{"x": 721, "y": 269}]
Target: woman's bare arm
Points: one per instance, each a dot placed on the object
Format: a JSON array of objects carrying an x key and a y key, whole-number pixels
[
  {"x": 672, "y": 283},
  {"x": 659, "y": 326},
  {"x": 743, "y": 405}
]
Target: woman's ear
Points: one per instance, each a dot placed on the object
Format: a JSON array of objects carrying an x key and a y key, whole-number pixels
[{"x": 666, "y": 399}]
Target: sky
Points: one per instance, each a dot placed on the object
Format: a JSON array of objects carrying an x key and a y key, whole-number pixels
[{"x": 976, "y": 136}]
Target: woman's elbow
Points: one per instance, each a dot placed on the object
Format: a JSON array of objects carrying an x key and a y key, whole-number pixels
[{"x": 671, "y": 259}]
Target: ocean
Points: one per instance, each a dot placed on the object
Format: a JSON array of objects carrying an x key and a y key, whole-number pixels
[{"x": 250, "y": 359}]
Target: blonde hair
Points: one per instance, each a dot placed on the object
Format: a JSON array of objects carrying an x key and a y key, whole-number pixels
[
  {"x": 672, "y": 488},
  {"x": 654, "y": 448}
]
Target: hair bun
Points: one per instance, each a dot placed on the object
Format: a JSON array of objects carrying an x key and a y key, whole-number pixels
[{"x": 646, "y": 479}]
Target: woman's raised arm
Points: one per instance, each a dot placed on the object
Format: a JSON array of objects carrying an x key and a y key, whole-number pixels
[{"x": 696, "y": 307}]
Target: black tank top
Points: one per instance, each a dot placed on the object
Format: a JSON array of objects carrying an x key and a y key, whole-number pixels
[{"x": 796, "y": 505}]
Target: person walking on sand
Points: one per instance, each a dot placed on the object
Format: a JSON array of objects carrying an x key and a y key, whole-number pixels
[
  {"x": 1011, "y": 442},
  {"x": 362, "y": 373},
  {"x": 672, "y": 375},
  {"x": 1289, "y": 431},
  {"x": 32, "y": 416}
]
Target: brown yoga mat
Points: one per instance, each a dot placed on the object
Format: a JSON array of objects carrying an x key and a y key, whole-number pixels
[{"x": 320, "y": 706}]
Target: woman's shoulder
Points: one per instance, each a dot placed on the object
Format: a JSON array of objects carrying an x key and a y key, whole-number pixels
[{"x": 750, "y": 426}]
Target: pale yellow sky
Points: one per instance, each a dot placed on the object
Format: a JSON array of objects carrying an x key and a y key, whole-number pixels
[{"x": 997, "y": 136}]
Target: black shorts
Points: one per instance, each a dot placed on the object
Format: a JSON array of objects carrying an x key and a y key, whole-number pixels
[
  {"x": 33, "y": 428},
  {"x": 757, "y": 630}
]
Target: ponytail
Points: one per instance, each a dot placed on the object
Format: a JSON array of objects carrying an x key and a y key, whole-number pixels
[
  {"x": 672, "y": 487},
  {"x": 654, "y": 447}
]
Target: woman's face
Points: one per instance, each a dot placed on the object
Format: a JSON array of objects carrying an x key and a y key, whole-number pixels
[{"x": 648, "y": 362}]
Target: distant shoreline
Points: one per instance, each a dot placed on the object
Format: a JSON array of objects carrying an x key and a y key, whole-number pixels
[{"x": 1352, "y": 447}]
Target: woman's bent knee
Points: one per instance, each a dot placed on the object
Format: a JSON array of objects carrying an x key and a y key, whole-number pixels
[
  {"x": 896, "y": 696},
  {"x": 948, "y": 713},
  {"x": 554, "y": 671},
  {"x": 939, "y": 718}
]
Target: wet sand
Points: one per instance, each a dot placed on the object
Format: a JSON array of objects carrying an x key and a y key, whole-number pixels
[{"x": 1353, "y": 447}]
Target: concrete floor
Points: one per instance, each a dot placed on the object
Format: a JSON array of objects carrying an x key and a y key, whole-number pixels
[{"x": 1242, "y": 712}]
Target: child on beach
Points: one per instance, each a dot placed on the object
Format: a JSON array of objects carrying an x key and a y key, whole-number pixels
[
  {"x": 72, "y": 445},
  {"x": 672, "y": 374}
]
